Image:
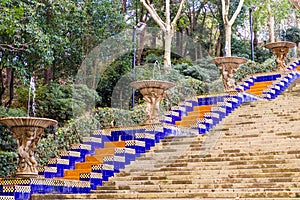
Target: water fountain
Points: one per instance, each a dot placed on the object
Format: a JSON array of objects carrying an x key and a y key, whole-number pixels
[
  {"x": 280, "y": 50},
  {"x": 153, "y": 92},
  {"x": 28, "y": 132},
  {"x": 228, "y": 66}
]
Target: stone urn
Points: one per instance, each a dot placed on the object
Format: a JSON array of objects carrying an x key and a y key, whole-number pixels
[
  {"x": 153, "y": 92},
  {"x": 228, "y": 66},
  {"x": 280, "y": 50},
  {"x": 28, "y": 132}
]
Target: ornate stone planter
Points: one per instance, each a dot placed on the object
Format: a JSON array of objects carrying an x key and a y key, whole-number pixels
[
  {"x": 28, "y": 132},
  {"x": 153, "y": 92},
  {"x": 280, "y": 50},
  {"x": 228, "y": 66}
]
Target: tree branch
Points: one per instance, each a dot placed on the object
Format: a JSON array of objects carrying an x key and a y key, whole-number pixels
[
  {"x": 237, "y": 11},
  {"x": 154, "y": 14},
  {"x": 12, "y": 48},
  {"x": 173, "y": 24},
  {"x": 224, "y": 11}
]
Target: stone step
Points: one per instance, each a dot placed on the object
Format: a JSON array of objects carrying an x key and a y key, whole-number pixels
[
  {"x": 173, "y": 187},
  {"x": 158, "y": 189},
  {"x": 243, "y": 157},
  {"x": 189, "y": 179},
  {"x": 181, "y": 195},
  {"x": 213, "y": 165},
  {"x": 213, "y": 180},
  {"x": 220, "y": 170}
]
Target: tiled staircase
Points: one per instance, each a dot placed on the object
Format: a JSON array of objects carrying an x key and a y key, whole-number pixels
[
  {"x": 186, "y": 137},
  {"x": 255, "y": 156}
]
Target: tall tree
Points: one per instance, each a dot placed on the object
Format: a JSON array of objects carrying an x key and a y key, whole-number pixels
[
  {"x": 229, "y": 22},
  {"x": 268, "y": 14},
  {"x": 168, "y": 27},
  {"x": 51, "y": 38}
]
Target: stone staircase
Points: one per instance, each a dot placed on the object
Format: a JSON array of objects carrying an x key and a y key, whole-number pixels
[
  {"x": 189, "y": 155},
  {"x": 251, "y": 154}
]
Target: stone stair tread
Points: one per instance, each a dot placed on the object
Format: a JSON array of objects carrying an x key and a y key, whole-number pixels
[{"x": 155, "y": 195}]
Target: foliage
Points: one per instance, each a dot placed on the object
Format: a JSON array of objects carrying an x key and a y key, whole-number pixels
[
  {"x": 8, "y": 163},
  {"x": 50, "y": 39},
  {"x": 252, "y": 67},
  {"x": 109, "y": 117},
  {"x": 241, "y": 48},
  {"x": 51, "y": 144},
  {"x": 203, "y": 70},
  {"x": 293, "y": 35},
  {"x": 262, "y": 54},
  {"x": 111, "y": 76},
  {"x": 216, "y": 86},
  {"x": 280, "y": 11},
  {"x": 59, "y": 101}
]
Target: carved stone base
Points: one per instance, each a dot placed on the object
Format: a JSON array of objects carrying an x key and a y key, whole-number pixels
[
  {"x": 27, "y": 140},
  {"x": 228, "y": 67}
]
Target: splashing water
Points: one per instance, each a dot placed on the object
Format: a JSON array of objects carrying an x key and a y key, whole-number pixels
[{"x": 32, "y": 89}]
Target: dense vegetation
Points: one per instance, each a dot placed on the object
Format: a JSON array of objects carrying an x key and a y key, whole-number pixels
[{"x": 54, "y": 41}]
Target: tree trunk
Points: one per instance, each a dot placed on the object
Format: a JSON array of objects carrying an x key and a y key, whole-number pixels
[
  {"x": 168, "y": 46},
  {"x": 218, "y": 46},
  {"x": 228, "y": 23},
  {"x": 271, "y": 29},
  {"x": 48, "y": 75},
  {"x": 271, "y": 24},
  {"x": 168, "y": 27},
  {"x": 124, "y": 3},
  {"x": 141, "y": 46},
  {"x": 255, "y": 40},
  {"x": 227, "y": 50},
  {"x": 153, "y": 41},
  {"x": 2, "y": 89},
  {"x": 179, "y": 42},
  {"x": 10, "y": 84}
]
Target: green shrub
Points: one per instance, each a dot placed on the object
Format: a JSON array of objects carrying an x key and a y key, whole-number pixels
[
  {"x": 252, "y": 67},
  {"x": 241, "y": 48},
  {"x": 108, "y": 117},
  {"x": 59, "y": 101},
  {"x": 8, "y": 163}
]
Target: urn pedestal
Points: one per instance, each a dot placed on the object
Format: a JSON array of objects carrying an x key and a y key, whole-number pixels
[
  {"x": 280, "y": 50},
  {"x": 228, "y": 66},
  {"x": 153, "y": 92}
]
